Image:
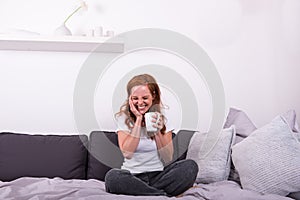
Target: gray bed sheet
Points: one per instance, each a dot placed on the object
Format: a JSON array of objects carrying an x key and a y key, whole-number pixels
[{"x": 57, "y": 188}]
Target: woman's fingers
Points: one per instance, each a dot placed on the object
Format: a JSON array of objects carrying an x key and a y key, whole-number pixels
[
  {"x": 157, "y": 123},
  {"x": 133, "y": 108}
]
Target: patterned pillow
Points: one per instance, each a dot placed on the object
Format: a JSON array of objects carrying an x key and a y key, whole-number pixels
[
  {"x": 214, "y": 163},
  {"x": 268, "y": 161}
]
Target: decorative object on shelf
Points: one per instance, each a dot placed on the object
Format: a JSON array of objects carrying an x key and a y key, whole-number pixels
[
  {"x": 95, "y": 32},
  {"x": 63, "y": 29},
  {"x": 90, "y": 33},
  {"x": 98, "y": 32},
  {"x": 109, "y": 33}
]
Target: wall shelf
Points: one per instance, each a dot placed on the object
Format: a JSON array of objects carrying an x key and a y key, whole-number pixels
[{"x": 61, "y": 43}]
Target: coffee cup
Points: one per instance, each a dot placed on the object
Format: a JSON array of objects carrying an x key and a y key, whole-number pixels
[{"x": 150, "y": 123}]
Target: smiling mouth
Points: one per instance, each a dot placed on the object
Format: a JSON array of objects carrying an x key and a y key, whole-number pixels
[{"x": 140, "y": 107}]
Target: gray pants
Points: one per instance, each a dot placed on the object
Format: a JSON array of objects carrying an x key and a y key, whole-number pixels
[{"x": 172, "y": 181}]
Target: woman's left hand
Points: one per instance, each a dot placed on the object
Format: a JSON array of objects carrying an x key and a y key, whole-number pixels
[{"x": 160, "y": 123}]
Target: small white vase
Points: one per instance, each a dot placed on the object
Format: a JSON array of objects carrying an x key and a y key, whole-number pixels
[{"x": 62, "y": 30}]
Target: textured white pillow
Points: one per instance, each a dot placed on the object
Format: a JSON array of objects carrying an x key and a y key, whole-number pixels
[
  {"x": 268, "y": 161},
  {"x": 213, "y": 163}
]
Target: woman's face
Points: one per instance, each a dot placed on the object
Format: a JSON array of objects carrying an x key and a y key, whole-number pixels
[{"x": 142, "y": 98}]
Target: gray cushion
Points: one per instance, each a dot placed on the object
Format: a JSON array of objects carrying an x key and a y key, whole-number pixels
[
  {"x": 42, "y": 156},
  {"x": 268, "y": 161},
  {"x": 213, "y": 163},
  {"x": 291, "y": 119},
  {"x": 104, "y": 154},
  {"x": 244, "y": 127},
  {"x": 181, "y": 142},
  {"x": 295, "y": 195}
]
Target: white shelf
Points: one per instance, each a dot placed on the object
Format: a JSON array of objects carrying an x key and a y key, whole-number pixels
[{"x": 61, "y": 43}]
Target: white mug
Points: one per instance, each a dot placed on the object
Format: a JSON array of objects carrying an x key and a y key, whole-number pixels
[{"x": 149, "y": 123}]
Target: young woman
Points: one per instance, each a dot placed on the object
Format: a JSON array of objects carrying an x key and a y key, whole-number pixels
[{"x": 145, "y": 153}]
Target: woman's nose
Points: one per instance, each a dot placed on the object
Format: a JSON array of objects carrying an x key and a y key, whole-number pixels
[{"x": 140, "y": 101}]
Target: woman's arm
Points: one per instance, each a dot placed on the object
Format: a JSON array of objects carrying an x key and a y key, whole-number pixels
[
  {"x": 164, "y": 145},
  {"x": 128, "y": 142}
]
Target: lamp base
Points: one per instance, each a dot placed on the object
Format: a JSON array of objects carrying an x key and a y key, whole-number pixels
[{"x": 62, "y": 30}]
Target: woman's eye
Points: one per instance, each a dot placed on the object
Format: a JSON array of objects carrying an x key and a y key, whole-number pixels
[{"x": 145, "y": 98}]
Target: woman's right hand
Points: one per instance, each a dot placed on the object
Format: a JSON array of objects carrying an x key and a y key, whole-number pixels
[{"x": 133, "y": 108}]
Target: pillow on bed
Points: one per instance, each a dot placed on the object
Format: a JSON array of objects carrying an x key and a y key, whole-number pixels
[
  {"x": 295, "y": 195},
  {"x": 268, "y": 161},
  {"x": 181, "y": 142},
  {"x": 42, "y": 156},
  {"x": 104, "y": 154},
  {"x": 243, "y": 125},
  {"x": 213, "y": 163},
  {"x": 291, "y": 119}
]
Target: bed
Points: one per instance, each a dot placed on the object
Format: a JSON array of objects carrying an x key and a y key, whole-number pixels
[
  {"x": 238, "y": 167},
  {"x": 57, "y": 188}
]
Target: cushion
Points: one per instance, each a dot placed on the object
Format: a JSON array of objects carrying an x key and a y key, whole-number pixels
[
  {"x": 42, "y": 156},
  {"x": 214, "y": 163},
  {"x": 181, "y": 143},
  {"x": 243, "y": 125},
  {"x": 295, "y": 195},
  {"x": 104, "y": 154},
  {"x": 290, "y": 117},
  {"x": 268, "y": 161}
]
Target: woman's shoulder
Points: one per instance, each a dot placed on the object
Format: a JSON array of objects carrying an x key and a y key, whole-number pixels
[
  {"x": 120, "y": 116},
  {"x": 121, "y": 122}
]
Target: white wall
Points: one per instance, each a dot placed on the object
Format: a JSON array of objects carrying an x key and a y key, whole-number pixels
[{"x": 255, "y": 46}]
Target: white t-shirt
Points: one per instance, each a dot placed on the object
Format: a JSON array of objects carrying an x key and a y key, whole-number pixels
[{"x": 146, "y": 157}]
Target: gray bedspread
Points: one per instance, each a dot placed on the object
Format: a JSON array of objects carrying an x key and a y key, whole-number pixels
[{"x": 57, "y": 188}]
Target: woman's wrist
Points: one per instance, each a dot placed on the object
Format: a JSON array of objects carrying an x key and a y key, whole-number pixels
[{"x": 138, "y": 121}]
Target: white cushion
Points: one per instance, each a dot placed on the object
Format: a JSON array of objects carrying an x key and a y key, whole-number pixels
[
  {"x": 291, "y": 119},
  {"x": 268, "y": 161},
  {"x": 214, "y": 165}
]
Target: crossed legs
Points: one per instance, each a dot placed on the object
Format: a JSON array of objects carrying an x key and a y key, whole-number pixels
[{"x": 172, "y": 181}]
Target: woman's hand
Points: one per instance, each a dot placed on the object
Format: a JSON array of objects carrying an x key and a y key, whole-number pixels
[
  {"x": 158, "y": 124},
  {"x": 133, "y": 108}
]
